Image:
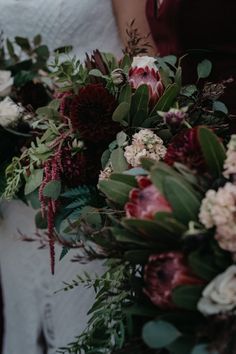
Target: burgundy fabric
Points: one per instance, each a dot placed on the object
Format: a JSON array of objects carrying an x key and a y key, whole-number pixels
[{"x": 202, "y": 28}]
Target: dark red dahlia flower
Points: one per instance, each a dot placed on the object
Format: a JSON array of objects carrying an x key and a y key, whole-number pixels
[
  {"x": 146, "y": 201},
  {"x": 163, "y": 273},
  {"x": 150, "y": 77},
  {"x": 91, "y": 114},
  {"x": 73, "y": 167},
  {"x": 185, "y": 148},
  {"x": 34, "y": 94}
]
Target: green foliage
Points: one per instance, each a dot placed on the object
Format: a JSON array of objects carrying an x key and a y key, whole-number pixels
[
  {"x": 187, "y": 296},
  {"x": 107, "y": 326},
  {"x": 213, "y": 151},
  {"x": 116, "y": 191}
]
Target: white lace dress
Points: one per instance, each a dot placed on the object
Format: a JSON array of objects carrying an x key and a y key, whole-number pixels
[{"x": 36, "y": 320}]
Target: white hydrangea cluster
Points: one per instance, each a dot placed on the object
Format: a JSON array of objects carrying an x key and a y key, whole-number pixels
[
  {"x": 147, "y": 144},
  {"x": 9, "y": 112},
  {"x": 219, "y": 209},
  {"x": 230, "y": 162}
]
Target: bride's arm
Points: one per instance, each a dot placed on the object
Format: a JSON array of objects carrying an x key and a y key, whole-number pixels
[{"x": 125, "y": 12}]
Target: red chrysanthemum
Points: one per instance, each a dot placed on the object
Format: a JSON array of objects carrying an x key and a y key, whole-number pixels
[
  {"x": 185, "y": 148},
  {"x": 163, "y": 273},
  {"x": 146, "y": 201},
  {"x": 91, "y": 114}
]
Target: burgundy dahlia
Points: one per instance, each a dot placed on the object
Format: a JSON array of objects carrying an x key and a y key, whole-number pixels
[
  {"x": 163, "y": 273},
  {"x": 91, "y": 114},
  {"x": 73, "y": 167},
  {"x": 33, "y": 94},
  {"x": 149, "y": 76},
  {"x": 146, "y": 201},
  {"x": 185, "y": 148}
]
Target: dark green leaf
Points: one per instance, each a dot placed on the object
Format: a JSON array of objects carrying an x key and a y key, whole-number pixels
[
  {"x": 184, "y": 201},
  {"x": 125, "y": 94},
  {"x": 116, "y": 191},
  {"x": 139, "y": 102},
  {"x": 124, "y": 178},
  {"x": 42, "y": 52},
  {"x": 167, "y": 99},
  {"x": 187, "y": 296},
  {"x": 23, "y": 43},
  {"x": 121, "y": 112},
  {"x": 213, "y": 151},
  {"x": 40, "y": 221},
  {"x": 37, "y": 40}
]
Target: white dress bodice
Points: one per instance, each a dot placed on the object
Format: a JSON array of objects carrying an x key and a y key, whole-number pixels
[{"x": 84, "y": 24}]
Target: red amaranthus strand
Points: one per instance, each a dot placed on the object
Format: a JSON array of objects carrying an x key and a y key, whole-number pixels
[{"x": 52, "y": 172}]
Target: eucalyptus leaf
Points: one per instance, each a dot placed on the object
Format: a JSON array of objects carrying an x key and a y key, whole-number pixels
[
  {"x": 118, "y": 160},
  {"x": 52, "y": 189},
  {"x": 220, "y": 107},
  {"x": 33, "y": 181},
  {"x": 96, "y": 73},
  {"x": 159, "y": 334},
  {"x": 204, "y": 69},
  {"x": 202, "y": 349}
]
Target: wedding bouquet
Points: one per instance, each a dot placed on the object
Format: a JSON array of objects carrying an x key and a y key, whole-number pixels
[
  {"x": 125, "y": 167},
  {"x": 24, "y": 86}
]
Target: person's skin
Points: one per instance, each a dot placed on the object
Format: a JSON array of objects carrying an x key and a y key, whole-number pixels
[{"x": 128, "y": 10}]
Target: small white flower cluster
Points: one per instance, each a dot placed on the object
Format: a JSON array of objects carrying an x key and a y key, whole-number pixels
[
  {"x": 147, "y": 144},
  {"x": 219, "y": 209},
  {"x": 106, "y": 173},
  {"x": 230, "y": 162},
  {"x": 9, "y": 112},
  {"x": 220, "y": 294}
]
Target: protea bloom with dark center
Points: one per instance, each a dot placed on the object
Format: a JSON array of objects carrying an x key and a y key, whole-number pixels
[
  {"x": 91, "y": 114},
  {"x": 146, "y": 201},
  {"x": 185, "y": 148},
  {"x": 163, "y": 273},
  {"x": 149, "y": 76}
]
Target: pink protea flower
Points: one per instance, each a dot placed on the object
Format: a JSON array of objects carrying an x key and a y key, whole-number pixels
[
  {"x": 146, "y": 201},
  {"x": 142, "y": 72},
  {"x": 163, "y": 273}
]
